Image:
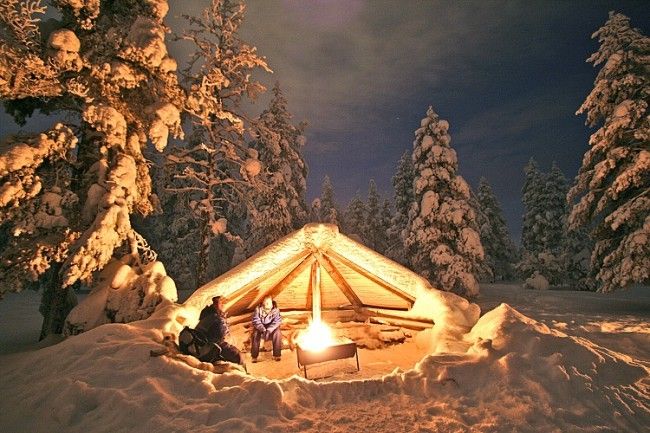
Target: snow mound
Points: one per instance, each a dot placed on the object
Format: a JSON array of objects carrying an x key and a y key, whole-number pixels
[
  {"x": 536, "y": 281},
  {"x": 517, "y": 375}
]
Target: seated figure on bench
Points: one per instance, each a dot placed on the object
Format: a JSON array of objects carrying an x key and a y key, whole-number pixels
[
  {"x": 266, "y": 325},
  {"x": 207, "y": 341}
]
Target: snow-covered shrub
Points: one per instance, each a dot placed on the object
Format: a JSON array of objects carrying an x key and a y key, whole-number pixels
[
  {"x": 124, "y": 293},
  {"x": 536, "y": 281}
]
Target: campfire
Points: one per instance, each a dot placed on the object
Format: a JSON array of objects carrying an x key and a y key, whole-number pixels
[
  {"x": 316, "y": 338},
  {"x": 316, "y": 344}
]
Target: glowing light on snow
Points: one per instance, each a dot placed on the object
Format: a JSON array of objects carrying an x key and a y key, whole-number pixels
[{"x": 317, "y": 337}]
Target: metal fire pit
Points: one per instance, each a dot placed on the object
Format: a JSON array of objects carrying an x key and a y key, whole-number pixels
[{"x": 331, "y": 353}]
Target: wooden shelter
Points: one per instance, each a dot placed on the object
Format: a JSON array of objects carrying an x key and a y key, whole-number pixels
[{"x": 317, "y": 269}]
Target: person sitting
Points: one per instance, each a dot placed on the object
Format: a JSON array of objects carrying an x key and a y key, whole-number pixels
[
  {"x": 207, "y": 340},
  {"x": 266, "y": 325}
]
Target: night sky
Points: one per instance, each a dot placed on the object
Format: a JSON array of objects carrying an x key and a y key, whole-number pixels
[{"x": 508, "y": 76}]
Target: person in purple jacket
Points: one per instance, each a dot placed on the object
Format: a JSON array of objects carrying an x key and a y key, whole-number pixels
[{"x": 266, "y": 325}]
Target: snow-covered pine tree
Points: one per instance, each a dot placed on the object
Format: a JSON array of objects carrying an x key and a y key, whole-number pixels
[
  {"x": 68, "y": 193},
  {"x": 484, "y": 271},
  {"x": 173, "y": 234},
  {"x": 443, "y": 243},
  {"x": 404, "y": 198},
  {"x": 532, "y": 192},
  {"x": 373, "y": 235},
  {"x": 385, "y": 221},
  {"x": 355, "y": 218},
  {"x": 279, "y": 205},
  {"x": 532, "y": 226},
  {"x": 612, "y": 186},
  {"x": 328, "y": 207},
  {"x": 554, "y": 201},
  {"x": 500, "y": 251},
  {"x": 217, "y": 170},
  {"x": 315, "y": 214},
  {"x": 575, "y": 259},
  {"x": 546, "y": 251}
]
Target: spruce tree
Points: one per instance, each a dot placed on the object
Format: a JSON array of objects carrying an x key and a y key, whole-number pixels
[
  {"x": 385, "y": 222},
  {"x": 553, "y": 250},
  {"x": 69, "y": 193},
  {"x": 404, "y": 198},
  {"x": 315, "y": 214},
  {"x": 532, "y": 193},
  {"x": 278, "y": 206},
  {"x": 442, "y": 239},
  {"x": 328, "y": 207},
  {"x": 355, "y": 218},
  {"x": 500, "y": 251},
  {"x": 610, "y": 194},
  {"x": 372, "y": 225}
]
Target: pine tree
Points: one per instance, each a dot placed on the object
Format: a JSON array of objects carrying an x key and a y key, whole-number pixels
[
  {"x": 500, "y": 251},
  {"x": 545, "y": 206},
  {"x": 484, "y": 272},
  {"x": 575, "y": 259},
  {"x": 216, "y": 169},
  {"x": 612, "y": 185},
  {"x": 442, "y": 239},
  {"x": 355, "y": 218},
  {"x": 556, "y": 188},
  {"x": 372, "y": 225},
  {"x": 68, "y": 194},
  {"x": 328, "y": 209},
  {"x": 404, "y": 198},
  {"x": 385, "y": 221},
  {"x": 315, "y": 214},
  {"x": 279, "y": 206},
  {"x": 532, "y": 192}
]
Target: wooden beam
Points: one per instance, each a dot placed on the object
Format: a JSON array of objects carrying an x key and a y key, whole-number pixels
[
  {"x": 385, "y": 312},
  {"x": 291, "y": 276},
  {"x": 398, "y": 319},
  {"x": 232, "y": 298},
  {"x": 416, "y": 326},
  {"x": 315, "y": 292},
  {"x": 374, "y": 278},
  {"x": 339, "y": 280}
]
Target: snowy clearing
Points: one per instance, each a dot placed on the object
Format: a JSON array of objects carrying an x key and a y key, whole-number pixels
[{"x": 583, "y": 372}]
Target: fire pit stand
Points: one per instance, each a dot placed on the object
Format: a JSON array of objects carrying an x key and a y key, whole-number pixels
[{"x": 331, "y": 353}]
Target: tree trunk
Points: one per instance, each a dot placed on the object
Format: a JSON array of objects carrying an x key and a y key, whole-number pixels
[
  {"x": 204, "y": 255},
  {"x": 56, "y": 302}
]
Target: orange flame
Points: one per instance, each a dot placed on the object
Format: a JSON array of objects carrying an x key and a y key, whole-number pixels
[{"x": 317, "y": 337}]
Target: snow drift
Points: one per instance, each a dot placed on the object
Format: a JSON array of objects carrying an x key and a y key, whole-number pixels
[{"x": 515, "y": 374}]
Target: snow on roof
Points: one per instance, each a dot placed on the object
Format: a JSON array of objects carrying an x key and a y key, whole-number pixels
[
  {"x": 312, "y": 238},
  {"x": 353, "y": 277}
]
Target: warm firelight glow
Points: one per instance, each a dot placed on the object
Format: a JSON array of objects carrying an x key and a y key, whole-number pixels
[{"x": 317, "y": 337}]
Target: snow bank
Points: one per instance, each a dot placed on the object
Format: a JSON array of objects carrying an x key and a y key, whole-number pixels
[{"x": 517, "y": 375}]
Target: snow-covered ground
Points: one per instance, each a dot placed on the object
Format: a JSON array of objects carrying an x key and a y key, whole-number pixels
[{"x": 551, "y": 361}]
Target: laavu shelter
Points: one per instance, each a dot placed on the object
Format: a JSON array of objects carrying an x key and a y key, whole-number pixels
[{"x": 319, "y": 272}]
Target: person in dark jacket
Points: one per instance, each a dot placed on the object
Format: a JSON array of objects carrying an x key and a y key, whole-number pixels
[
  {"x": 266, "y": 325},
  {"x": 212, "y": 323}
]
